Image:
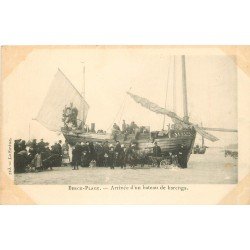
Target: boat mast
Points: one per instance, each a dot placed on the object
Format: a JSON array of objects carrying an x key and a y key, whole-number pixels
[
  {"x": 83, "y": 86},
  {"x": 83, "y": 92},
  {"x": 174, "y": 89},
  {"x": 184, "y": 87},
  {"x": 166, "y": 96},
  {"x": 29, "y": 131},
  {"x": 202, "y": 139}
]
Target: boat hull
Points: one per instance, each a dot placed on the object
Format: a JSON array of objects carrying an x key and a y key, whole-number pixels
[{"x": 143, "y": 143}]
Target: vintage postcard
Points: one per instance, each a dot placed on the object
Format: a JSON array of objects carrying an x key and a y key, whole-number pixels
[{"x": 125, "y": 125}]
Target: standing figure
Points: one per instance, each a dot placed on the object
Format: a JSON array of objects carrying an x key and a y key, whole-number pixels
[
  {"x": 106, "y": 153},
  {"x": 41, "y": 146},
  {"x": 92, "y": 152},
  {"x": 124, "y": 126},
  {"x": 115, "y": 131},
  {"x": 117, "y": 151},
  {"x": 60, "y": 153},
  {"x": 123, "y": 157},
  {"x": 131, "y": 156},
  {"x": 157, "y": 153},
  {"x": 85, "y": 155},
  {"x": 33, "y": 149},
  {"x": 38, "y": 162},
  {"x": 65, "y": 153},
  {"x": 99, "y": 154},
  {"x": 21, "y": 160},
  {"x": 111, "y": 156},
  {"x": 182, "y": 154},
  {"x": 76, "y": 156}
]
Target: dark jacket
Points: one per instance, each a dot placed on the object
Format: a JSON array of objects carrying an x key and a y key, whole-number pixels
[{"x": 157, "y": 151}]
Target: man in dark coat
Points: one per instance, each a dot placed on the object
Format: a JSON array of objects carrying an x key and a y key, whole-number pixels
[
  {"x": 131, "y": 155},
  {"x": 182, "y": 156},
  {"x": 41, "y": 146},
  {"x": 156, "y": 150},
  {"x": 21, "y": 161},
  {"x": 60, "y": 153},
  {"x": 157, "y": 153},
  {"x": 111, "y": 157},
  {"x": 122, "y": 156},
  {"x": 92, "y": 153},
  {"x": 106, "y": 153},
  {"x": 99, "y": 154},
  {"x": 118, "y": 151},
  {"x": 76, "y": 156},
  {"x": 33, "y": 149},
  {"x": 85, "y": 155}
]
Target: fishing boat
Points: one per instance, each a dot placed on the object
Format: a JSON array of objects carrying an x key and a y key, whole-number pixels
[
  {"x": 197, "y": 149},
  {"x": 65, "y": 109}
]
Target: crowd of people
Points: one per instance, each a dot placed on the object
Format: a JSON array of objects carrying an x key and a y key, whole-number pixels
[
  {"x": 90, "y": 154},
  {"x": 37, "y": 155},
  {"x": 33, "y": 156},
  {"x": 128, "y": 129}
]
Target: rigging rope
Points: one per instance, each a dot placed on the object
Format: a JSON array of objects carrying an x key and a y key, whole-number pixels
[
  {"x": 117, "y": 114},
  {"x": 165, "y": 105},
  {"x": 122, "y": 111}
]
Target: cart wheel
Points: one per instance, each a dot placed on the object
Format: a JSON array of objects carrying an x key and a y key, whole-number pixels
[
  {"x": 154, "y": 163},
  {"x": 164, "y": 164}
]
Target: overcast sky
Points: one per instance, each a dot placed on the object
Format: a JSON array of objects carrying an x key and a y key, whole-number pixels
[{"x": 110, "y": 72}]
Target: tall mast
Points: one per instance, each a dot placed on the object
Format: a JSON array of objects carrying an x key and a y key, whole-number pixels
[
  {"x": 202, "y": 139},
  {"x": 83, "y": 86},
  {"x": 184, "y": 87},
  {"x": 166, "y": 96},
  {"x": 174, "y": 89},
  {"x": 83, "y": 90},
  {"x": 29, "y": 131}
]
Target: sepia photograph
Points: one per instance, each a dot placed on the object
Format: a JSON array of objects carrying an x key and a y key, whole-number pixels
[
  {"x": 124, "y": 125},
  {"x": 123, "y": 115}
]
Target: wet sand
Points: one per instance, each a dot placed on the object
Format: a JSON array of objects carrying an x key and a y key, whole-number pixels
[{"x": 211, "y": 168}]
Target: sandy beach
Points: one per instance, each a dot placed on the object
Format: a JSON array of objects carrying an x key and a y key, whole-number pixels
[{"x": 211, "y": 168}]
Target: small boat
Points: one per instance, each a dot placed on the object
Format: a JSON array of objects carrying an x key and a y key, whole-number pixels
[{"x": 200, "y": 149}]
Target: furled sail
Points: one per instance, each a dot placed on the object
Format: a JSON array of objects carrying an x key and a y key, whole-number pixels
[
  {"x": 62, "y": 93},
  {"x": 205, "y": 134},
  {"x": 154, "y": 107},
  {"x": 159, "y": 110}
]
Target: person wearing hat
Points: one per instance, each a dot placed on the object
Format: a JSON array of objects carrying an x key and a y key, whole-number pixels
[
  {"x": 106, "y": 153},
  {"x": 182, "y": 154},
  {"x": 130, "y": 155},
  {"x": 118, "y": 151},
  {"x": 60, "y": 153},
  {"x": 84, "y": 154},
  {"x": 92, "y": 152},
  {"x": 76, "y": 156},
  {"x": 41, "y": 146},
  {"x": 65, "y": 153},
  {"x": 99, "y": 154},
  {"x": 122, "y": 157},
  {"x": 115, "y": 131},
  {"x": 111, "y": 155},
  {"x": 157, "y": 152}
]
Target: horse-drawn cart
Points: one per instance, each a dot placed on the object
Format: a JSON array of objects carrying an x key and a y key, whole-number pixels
[{"x": 160, "y": 161}]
